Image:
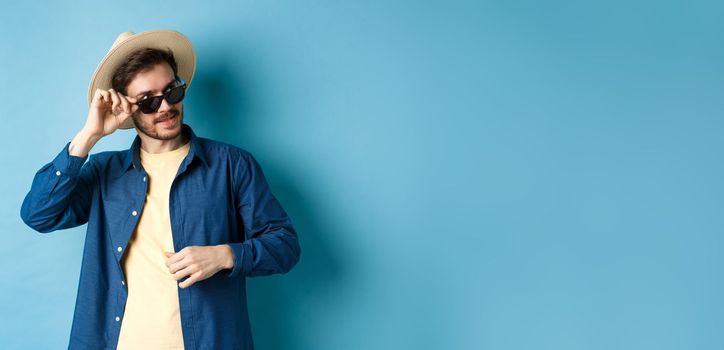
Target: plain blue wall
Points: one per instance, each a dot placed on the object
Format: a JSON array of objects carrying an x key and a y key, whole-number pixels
[{"x": 463, "y": 175}]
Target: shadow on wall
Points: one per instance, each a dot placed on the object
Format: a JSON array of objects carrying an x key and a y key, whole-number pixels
[{"x": 277, "y": 304}]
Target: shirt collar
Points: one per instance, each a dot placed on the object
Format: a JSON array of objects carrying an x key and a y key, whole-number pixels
[{"x": 133, "y": 160}]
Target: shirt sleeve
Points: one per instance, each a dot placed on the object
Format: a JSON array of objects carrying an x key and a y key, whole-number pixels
[
  {"x": 271, "y": 245},
  {"x": 60, "y": 195}
]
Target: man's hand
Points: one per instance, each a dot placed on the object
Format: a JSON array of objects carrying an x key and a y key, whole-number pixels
[
  {"x": 108, "y": 110},
  {"x": 199, "y": 262}
]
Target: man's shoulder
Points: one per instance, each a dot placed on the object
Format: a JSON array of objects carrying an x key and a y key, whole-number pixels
[
  {"x": 216, "y": 149},
  {"x": 107, "y": 163},
  {"x": 106, "y": 157}
]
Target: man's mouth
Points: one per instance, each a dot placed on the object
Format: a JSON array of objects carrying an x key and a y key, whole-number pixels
[{"x": 166, "y": 118}]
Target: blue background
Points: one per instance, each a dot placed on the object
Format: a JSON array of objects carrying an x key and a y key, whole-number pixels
[{"x": 463, "y": 174}]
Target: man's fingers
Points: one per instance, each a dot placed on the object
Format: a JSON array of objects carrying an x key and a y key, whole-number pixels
[
  {"x": 134, "y": 106},
  {"x": 125, "y": 104},
  {"x": 191, "y": 280},
  {"x": 188, "y": 270},
  {"x": 116, "y": 100},
  {"x": 169, "y": 256},
  {"x": 97, "y": 96},
  {"x": 176, "y": 257},
  {"x": 174, "y": 267},
  {"x": 101, "y": 99},
  {"x": 105, "y": 96}
]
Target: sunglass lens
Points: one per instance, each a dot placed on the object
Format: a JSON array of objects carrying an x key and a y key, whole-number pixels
[
  {"x": 151, "y": 104},
  {"x": 175, "y": 95}
]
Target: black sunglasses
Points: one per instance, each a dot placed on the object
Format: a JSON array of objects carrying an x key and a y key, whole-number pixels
[{"x": 173, "y": 95}]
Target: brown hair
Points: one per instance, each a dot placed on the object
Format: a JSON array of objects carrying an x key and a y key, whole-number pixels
[{"x": 137, "y": 62}]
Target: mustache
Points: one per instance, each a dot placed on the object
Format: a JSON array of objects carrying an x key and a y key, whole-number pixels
[{"x": 169, "y": 114}]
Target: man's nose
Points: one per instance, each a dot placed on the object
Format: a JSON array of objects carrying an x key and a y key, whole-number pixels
[{"x": 165, "y": 106}]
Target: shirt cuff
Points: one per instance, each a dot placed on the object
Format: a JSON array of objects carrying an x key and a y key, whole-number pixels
[
  {"x": 68, "y": 164},
  {"x": 241, "y": 259}
]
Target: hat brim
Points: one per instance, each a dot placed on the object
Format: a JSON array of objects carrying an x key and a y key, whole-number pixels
[{"x": 161, "y": 39}]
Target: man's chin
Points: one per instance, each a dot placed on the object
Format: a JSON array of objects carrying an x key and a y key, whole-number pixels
[{"x": 167, "y": 134}]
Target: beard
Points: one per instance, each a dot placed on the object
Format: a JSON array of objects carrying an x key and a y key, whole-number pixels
[{"x": 152, "y": 130}]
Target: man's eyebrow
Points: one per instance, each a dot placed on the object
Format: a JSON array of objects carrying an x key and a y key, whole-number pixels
[{"x": 142, "y": 93}]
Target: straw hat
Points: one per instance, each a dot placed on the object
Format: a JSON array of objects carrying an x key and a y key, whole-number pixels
[{"x": 129, "y": 42}]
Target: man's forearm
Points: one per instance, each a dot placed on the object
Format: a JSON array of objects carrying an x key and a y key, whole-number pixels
[
  {"x": 60, "y": 194},
  {"x": 81, "y": 144}
]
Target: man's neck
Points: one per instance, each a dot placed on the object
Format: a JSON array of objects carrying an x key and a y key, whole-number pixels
[{"x": 152, "y": 145}]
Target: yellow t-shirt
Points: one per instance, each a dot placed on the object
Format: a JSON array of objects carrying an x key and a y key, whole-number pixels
[{"x": 151, "y": 319}]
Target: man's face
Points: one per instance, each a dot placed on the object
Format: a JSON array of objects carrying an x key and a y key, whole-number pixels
[{"x": 166, "y": 123}]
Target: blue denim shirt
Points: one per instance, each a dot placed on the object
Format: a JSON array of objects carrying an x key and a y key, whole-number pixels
[{"x": 219, "y": 196}]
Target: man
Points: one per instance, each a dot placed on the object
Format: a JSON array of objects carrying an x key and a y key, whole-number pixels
[{"x": 175, "y": 223}]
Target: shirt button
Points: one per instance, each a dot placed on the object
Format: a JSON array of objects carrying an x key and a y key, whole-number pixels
[
  {"x": 123, "y": 283},
  {"x": 144, "y": 179},
  {"x": 118, "y": 318},
  {"x": 57, "y": 173},
  {"x": 119, "y": 249},
  {"x": 134, "y": 213}
]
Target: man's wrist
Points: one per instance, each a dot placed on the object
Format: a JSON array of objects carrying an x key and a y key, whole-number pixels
[
  {"x": 228, "y": 253},
  {"x": 82, "y": 143}
]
